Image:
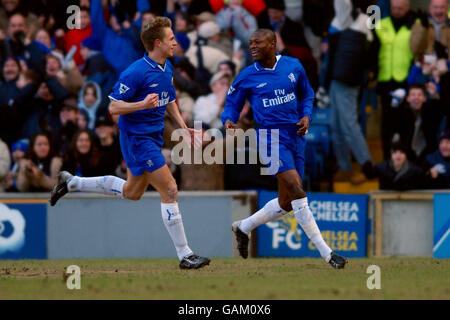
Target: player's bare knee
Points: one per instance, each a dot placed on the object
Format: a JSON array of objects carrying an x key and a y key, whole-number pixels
[
  {"x": 285, "y": 204},
  {"x": 172, "y": 192},
  {"x": 133, "y": 196},
  {"x": 295, "y": 191}
]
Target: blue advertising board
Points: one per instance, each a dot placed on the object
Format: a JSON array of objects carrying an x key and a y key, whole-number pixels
[
  {"x": 341, "y": 218},
  {"x": 23, "y": 230},
  {"x": 441, "y": 246}
]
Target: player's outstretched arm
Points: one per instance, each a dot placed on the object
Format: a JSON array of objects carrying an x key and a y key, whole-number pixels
[
  {"x": 174, "y": 113},
  {"x": 119, "y": 107},
  {"x": 189, "y": 135}
]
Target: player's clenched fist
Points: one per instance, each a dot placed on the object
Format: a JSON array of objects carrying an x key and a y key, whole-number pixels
[
  {"x": 303, "y": 126},
  {"x": 231, "y": 125},
  {"x": 150, "y": 101}
]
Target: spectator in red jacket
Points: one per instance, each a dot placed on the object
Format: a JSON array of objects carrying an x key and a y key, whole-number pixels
[{"x": 75, "y": 36}]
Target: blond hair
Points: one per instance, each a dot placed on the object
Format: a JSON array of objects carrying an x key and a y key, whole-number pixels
[{"x": 153, "y": 30}]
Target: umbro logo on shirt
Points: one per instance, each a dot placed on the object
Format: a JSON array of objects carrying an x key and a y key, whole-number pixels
[
  {"x": 261, "y": 85},
  {"x": 231, "y": 90},
  {"x": 123, "y": 88},
  {"x": 154, "y": 85}
]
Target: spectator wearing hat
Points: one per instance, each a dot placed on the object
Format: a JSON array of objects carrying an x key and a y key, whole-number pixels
[
  {"x": 275, "y": 19},
  {"x": 203, "y": 53},
  {"x": 183, "y": 46},
  {"x": 109, "y": 147},
  {"x": 197, "y": 21},
  {"x": 211, "y": 33},
  {"x": 90, "y": 99},
  {"x": 437, "y": 164},
  {"x": 96, "y": 68},
  {"x": 64, "y": 126},
  {"x": 397, "y": 173},
  {"x": 5, "y": 161},
  {"x": 18, "y": 152},
  {"x": 208, "y": 108}
]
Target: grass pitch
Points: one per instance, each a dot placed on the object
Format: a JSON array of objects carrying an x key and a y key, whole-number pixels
[{"x": 258, "y": 279}]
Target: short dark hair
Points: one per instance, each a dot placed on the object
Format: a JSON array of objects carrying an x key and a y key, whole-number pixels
[
  {"x": 276, "y": 4},
  {"x": 417, "y": 86},
  {"x": 266, "y": 32},
  {"x": 231, "y": 65},
  {"x": 399, "y": 146}
]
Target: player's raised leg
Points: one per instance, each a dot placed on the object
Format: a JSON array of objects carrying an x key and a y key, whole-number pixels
[
  {"x": 107, "y": 185},
  {"x": 132, "y": 189},
  {"x": 242, "y": 228},
  {"x": 292, "y": 197},
  {"x": 163, "y": 181}
]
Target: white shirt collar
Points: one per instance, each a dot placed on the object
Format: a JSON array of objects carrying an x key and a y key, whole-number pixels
[
  {"x": 153, "y": 64},
  {"x": 258, "y": 67}
]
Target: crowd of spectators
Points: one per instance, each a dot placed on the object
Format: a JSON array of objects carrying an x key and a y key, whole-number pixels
[{"x": 55, "y": 81}]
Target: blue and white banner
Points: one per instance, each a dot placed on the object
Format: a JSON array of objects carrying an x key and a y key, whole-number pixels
[
  {"x": 341, "y": 218},
  {"x": 23, "y": 231},
  {"x": 441, "y": 246}
]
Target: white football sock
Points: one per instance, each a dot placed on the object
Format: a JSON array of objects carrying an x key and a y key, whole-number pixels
[
  {"x": 108, "y": 185},
  {"x": 306, "y": 220},
  {"x": 269, "y": 212},
  {"x": 174, "y": 224}
]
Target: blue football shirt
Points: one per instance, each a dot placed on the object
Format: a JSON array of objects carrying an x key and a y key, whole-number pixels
[
  {"x": 278, "y": 96},
  {"x": 141, "y": 78}
]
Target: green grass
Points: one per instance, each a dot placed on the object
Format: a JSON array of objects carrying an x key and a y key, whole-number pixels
[{"x": 272, "y": 278}]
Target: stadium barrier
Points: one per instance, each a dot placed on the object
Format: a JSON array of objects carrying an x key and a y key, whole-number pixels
[
  {"x": 415, "y": 223},
  {"x": 92, "y": 226},
  {"x": 341, "y": 218}
]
